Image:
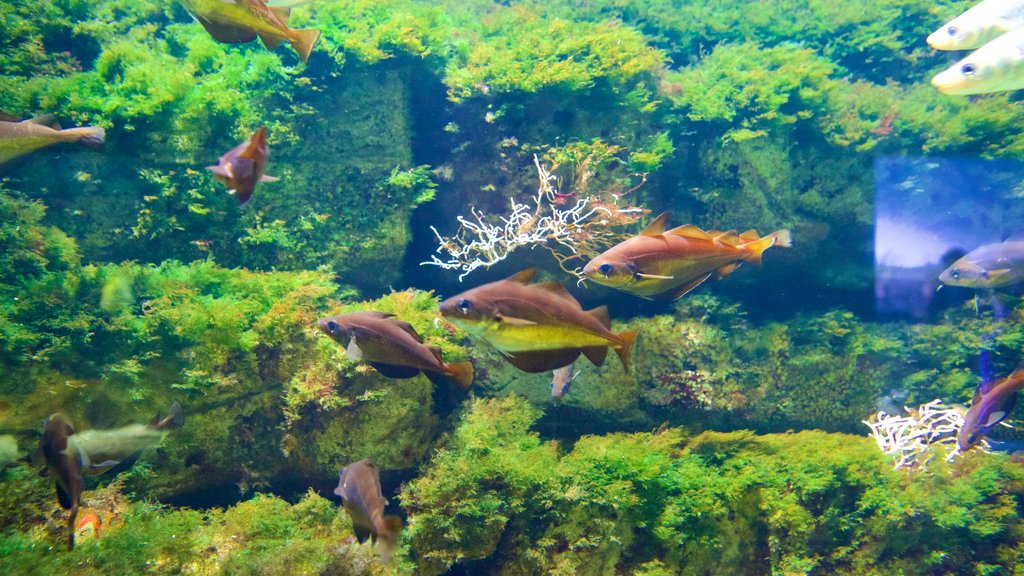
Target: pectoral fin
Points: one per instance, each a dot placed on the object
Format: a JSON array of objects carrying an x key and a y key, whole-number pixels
[
  {"x": 726, "y": 270},
  {"x": 653, "y": 276},
  {"x": 995, "y": 418},
  {"x": 266, "y": 178},
  {"x": 513, "y": 321},
  {"x": 353, "y": 351},
  {"x": 685, "y": 288}
]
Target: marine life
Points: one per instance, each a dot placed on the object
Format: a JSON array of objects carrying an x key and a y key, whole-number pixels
[
  {"x": 537, "y": 327},
  {"x": 561, "y": 379},
  {"x": 995, "y": 67},
  {"x": 359, "y": 488},
  {"x": 68, "y": 456},
  {"x": 20, "y": 138},
  {"x": 983, "y": 22},
  {"x": 90, "y": 525},
  {"x": 659, "y": 263},
  {"x": 392, "y": 346},
  {"x": 993, "y": 402},
  {"x": 241, "y": 21},
  {"x": 242, "y": 167},
  {"x": 988, "y": 266}
]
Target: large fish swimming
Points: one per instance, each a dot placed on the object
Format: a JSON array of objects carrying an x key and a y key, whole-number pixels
[
  {"x": 242, "y": 167},
  {"x": 988, "y": 266},
  {"x": 983, "y": 22},
  {"x": 998, "y": 66},
  {"x": 993, "y": 402},
  {"x": 27, "y": 136},
  {"x": 668, "y": 264},
  {"x": 537, "y": 327},
  {"x": 392, "y": 346},
  {"x": 240, "y": 21},
  {"x": 359, "y": 487},
  {"x": 69, "y": 456}
]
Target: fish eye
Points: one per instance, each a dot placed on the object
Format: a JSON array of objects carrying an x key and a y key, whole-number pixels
[
  {"x": 967, "y": 69},
  {"x": 605, "y": 268},
  {"x": 952, "y": 31},
  {"x": 332, "y": 325},
  {"x": 955, "y": 273},
  {"x": 464, "y": 305}
]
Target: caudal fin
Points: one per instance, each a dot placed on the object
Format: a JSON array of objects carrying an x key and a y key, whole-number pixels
[
  {"x": 304, "y": 42},
  {"x": 461, "y": 374},
  {"x": 387, "y": 540},
  {"x": 756, "y": 248},
  {"x": 175, "y": 419},
  {"x": 625, "y": 345},
  {"x": 91, "y": 136}
]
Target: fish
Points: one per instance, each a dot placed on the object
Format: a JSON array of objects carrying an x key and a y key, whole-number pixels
[
  {"x": 241, "y": 21},
  {"x": 392, "y": 347},
  {"x": 27, "y": 136},
  {"x": 993, "y": 402},
  {"x": 988, "y": 266},
  {"x": 998, "y": 66},
  {"x": 980, "y": 24},
  {"x": 69, "y": 456},
  {"x": 536, "y": 327},
  {"x": 668, "y": 264},
  {"x": 242, "y": 167},
  {"x": 359, "y": 488},
  {"x": 561, "y": 379}
]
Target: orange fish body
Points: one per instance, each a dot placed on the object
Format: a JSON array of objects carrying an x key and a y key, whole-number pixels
[
  {"x": 392, "y": 347},
  {"x": 241, "y": 21},
  {"x": 242, "y": 167},
  {"x": 659, "y": 263}
]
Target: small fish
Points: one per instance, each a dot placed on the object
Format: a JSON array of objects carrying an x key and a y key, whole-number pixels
[
  {"x": 993, "y": 402},
  {"x": 359, "y": 488},
  {"x": 561, "y": 379},
  {"x": 20, "y": 138},
  {"x": 659, "y": 263},
  {"x": 537, "y": 327},
  {"x": 998, "y": 66},
  {"x": 68, "y": 456},
  {"x": 392, "y": 346},
  {"x": 242, "y": 167},
  {"x": 988, "y": 266},
  {"x": 241, "y": 21},
  {"x": 980, "y": 24}
]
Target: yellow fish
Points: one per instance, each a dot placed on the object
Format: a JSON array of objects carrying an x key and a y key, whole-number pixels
[
  {"x": 240, "y": 21},
  {"x": 20, "y": 138}
]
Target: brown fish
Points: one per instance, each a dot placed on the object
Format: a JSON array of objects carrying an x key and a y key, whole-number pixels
[
  {"x": 242, "y": 167},
  {"x": 660, "y": 263},
  {"x": 392, "y": 346},
  {"x": 561, "y": 379},
  {"x": 20, "y": 138},
  {"x": 993, "y": 402},
  {"x": 359, "y": 487},
  {"x": 240, "y": 21},
  {"x": 537, "y": 327}
]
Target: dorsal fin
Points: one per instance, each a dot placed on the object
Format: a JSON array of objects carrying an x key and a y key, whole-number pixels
[
  {"x": 730, "y": 237},
  {"x": 48, "y": 120},
  {"x": 601, "y": 315},
  {"x": 523, "y": 277},
  {"x": 408, "y": 329},
  {"x": 282, "y": 13},
  {"x": 657, "y": 226},
  {"x": 258, "y": 139},
  {"x": 689, "y": 231},
  {"x": 750, "y": 235},
  {"x": 555, "y": 288}
]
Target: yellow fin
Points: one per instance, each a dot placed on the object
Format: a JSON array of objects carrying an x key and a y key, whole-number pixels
[
  {"x": 730, "y": 238},
  {"x": 601, "y": 315},
  {"x": 657, "y": 226},
  {"x": 522, "y": 277},
  {"x": 685, "y": 288},
  {"x": 750, "y": 236},
  {"x": 304, "y": 42},
  {"x": 282, "y": 13},
  {"x": 271, "y": 41},
  {"x": 726, "y": 270},
  {"x": 690, "y": 231}
]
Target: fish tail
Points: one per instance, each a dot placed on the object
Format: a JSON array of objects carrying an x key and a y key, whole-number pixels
[
  {"x": 461, "y": 374},
  {"x": 625, "y": 345},
  {"x": 90, "y": 136},
  {"x": 756, "y": 248},
  {"x": 304, "y": 42},
  {"x": 388, "y": 537},
  {"x": 174, "y": 419}
]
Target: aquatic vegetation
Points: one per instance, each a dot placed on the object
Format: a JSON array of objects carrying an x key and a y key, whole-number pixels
[{"x": 910, "y": 439}]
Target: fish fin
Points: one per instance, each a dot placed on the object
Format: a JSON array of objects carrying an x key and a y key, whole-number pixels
[
  {"x": 218, "y": 170},
  {"x": 995, "y": 418},
  {"x": 389, "y": 536},
  {"x": 174, "y": 419},
  {"x": 282, "y": 13},
  {"x": 730, "y": 237},
  {"x": 685, "y": 288},
  {"x": 271, "y": 41},
  {"x": 305, "y": 41},
  {"x": 265, "y": 178},
  {"x": 750, "y": 236},
  {"x": 353, "y": 351},
  {"x": 63, "y": 497},
  {"x": 226, "y": 33},
  {"x": 513, "y": 321},
  {"x": 243, "y": 197},
  {"x": 48, "y": 120},
  {"x": 362, "y": 532},
  {"x": 653, "y": 276},
  {"x": 755, "y": 249},
  {"x": 601, "y": 315},
  {"x": 657, "y": 226},
  {"x": 436, "y": 352},
  {"x": 89, "y": 136},
  {"x": 555, "y": 288},
  {"x": 724, "y": 271},
  {"x": 101, "y": 468},
  {"x": 783, "y": 238},
  {"x": 522, "y": 277},
  {"x": 596, "y": 354},
  {"x": 542, "y": 360},
  {"x": 626, "y": 340},
  {"x": 460, "y": 374},
  {"x": 5, "y": 117},
  {"x": 689, "y": 231},
  {"x": 406, "y": 327},
  {"x": 394, "y": 370}
]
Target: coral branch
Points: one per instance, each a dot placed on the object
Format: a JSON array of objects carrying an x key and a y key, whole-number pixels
[{"x": 909, "y": 439}]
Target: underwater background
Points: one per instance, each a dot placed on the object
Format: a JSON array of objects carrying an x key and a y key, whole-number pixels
[{"x": 735, "y": 443}]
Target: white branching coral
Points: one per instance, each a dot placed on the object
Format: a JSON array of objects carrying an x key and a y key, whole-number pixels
[
  {"x": 911, "y": 439},
  {"x": 571, "y": 226}
]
